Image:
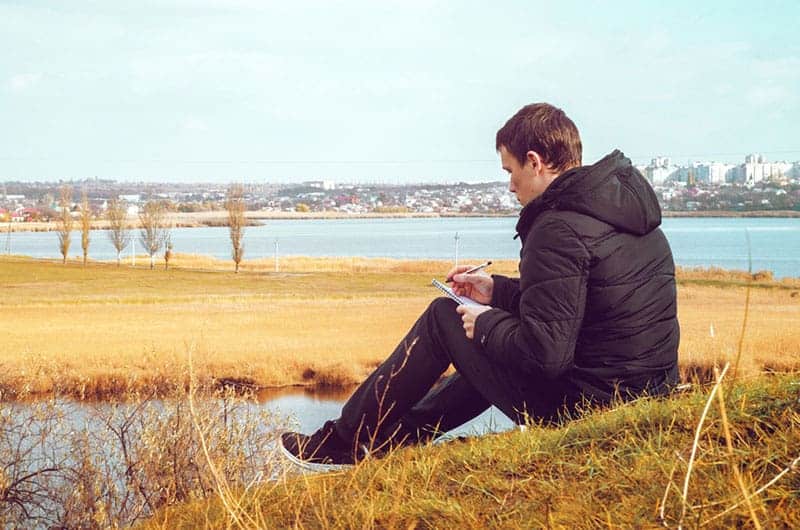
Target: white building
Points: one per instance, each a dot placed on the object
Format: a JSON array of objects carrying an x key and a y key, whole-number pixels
[
  {"x": 320, "y": 184},
  {"x": 709, "y": 172},
  {"x": 660, "y": 170},
  {"x": 720, "y": 173},
  {"x": 756, "y": 169}
]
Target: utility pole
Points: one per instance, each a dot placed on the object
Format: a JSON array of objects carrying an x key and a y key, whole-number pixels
[
  {"x": 458, "y": 239},
  {"x": 276, "y": 255},
  {"x": 133, "y": 251},
  {"x": 8, "y": 237}
]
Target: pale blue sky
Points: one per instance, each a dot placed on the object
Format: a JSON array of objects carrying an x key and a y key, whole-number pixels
[{"x": 393, "y": 91}]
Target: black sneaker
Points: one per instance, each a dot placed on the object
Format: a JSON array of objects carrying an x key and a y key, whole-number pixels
[{"x": 322, "y": 451}]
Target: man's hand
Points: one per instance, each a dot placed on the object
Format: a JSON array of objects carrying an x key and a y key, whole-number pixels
[
  {"x": 477, "y": 285},
  {"x": 469, "y": 313}
]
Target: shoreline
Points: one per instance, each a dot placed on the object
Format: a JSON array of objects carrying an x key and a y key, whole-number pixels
[{"x": 218, "y": 218}]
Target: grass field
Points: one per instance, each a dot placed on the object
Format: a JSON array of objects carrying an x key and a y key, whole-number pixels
[{"x": 103, "y": 330}]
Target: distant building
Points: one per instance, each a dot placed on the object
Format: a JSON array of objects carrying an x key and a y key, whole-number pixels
[
  {"x": 660, "y": 170},
  {"x": 719, "y": 173},
  {"x": 756, "y": 169},
  {"x": 707, "y": 172},
  {"x": 320, "y": 184},
  {"x": 30, "y": 214}
]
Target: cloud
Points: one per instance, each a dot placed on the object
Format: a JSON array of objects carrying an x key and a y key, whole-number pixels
[
  {"x": 194, "y": 124},
  {"x": 771, "y": 95},
  {"x": 774, "y": 82},
  {"x": 22, "y": 82}
]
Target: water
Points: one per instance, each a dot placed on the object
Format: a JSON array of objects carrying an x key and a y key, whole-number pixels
[
  {"x": 308, "y": 410},
  {"x": 720, "y": 242},
  {"x": 51, "y": 450}
]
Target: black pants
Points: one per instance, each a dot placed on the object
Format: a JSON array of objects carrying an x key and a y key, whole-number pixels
[{"x": 400, "y": 401}]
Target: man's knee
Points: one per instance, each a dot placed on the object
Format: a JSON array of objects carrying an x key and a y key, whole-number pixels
[
  {"x": 442, "y": 308},
  {"x": 444, "y": 326},
  {"x": 437, "y": 322}
]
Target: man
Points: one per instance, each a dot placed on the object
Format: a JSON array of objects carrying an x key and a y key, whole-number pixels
[{"x": 592, "y": 317}]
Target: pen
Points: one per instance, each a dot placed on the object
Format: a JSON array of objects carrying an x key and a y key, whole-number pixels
[{"x": 477, "y": 268}]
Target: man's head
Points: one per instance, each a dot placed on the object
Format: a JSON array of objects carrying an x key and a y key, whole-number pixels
[{"x": 536, "y": 145}]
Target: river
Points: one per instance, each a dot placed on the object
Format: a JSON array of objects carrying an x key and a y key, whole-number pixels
[{"x": 774, "y": 243}]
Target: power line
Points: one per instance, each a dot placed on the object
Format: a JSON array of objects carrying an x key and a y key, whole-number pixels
[
  {"x": 173, "y": 161},
  {"x": 375, "y": 162},
  {"x": 704, "y": 155}
]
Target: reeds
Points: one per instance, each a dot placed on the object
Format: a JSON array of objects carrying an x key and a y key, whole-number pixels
[{"x": 105, "y": 465}]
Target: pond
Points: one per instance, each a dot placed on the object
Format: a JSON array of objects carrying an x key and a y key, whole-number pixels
[
  {"x": 66, "y": 463},
  {"x": 308, "y": 409}
]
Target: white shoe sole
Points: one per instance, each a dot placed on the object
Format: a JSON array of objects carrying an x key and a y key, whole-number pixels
[{"x": 313, "y": 466}]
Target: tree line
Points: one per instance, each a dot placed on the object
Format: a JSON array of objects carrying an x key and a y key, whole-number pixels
[{"x": 155, "y": 226}]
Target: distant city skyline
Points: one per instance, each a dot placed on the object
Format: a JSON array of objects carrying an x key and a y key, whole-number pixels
[
  {"x": 751, "y": 169},
  {"x": 243, "y": 90}
]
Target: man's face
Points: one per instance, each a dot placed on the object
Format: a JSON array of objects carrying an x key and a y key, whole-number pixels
[{"x": 527, "y": 180}]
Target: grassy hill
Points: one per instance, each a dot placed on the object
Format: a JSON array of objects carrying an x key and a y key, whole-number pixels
[{"x": 621, "y": 468}]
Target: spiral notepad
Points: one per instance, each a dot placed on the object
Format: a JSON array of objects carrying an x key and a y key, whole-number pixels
[{"x": 461, "y": 300}]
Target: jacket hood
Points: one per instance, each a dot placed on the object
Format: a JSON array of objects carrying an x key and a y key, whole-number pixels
[{"x": 611, "y": 190}]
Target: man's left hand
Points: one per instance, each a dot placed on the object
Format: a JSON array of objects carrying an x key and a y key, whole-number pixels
[{"x": 469, "y": 313}]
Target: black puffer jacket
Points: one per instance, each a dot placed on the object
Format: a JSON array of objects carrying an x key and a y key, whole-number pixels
[{"x": 595, "y": 304}]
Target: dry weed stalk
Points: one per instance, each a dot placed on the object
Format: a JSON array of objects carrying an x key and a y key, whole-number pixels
[
  {"x": 26, "y": 473},
  {"x": 696, "y": 443},
  {"x": 119, "y": 463},
  {"x": 793, "y": 466},
  {"x": 729, "y": 444},
  {"x": 746, "y": 496},
  {"x": 232, "y": 505},
  {"x": 746, "y": 304}
]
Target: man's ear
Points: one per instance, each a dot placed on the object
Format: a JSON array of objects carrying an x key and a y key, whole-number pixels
[{"x": 533, "y": 158}]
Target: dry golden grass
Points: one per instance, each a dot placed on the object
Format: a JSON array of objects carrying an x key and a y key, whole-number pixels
[
  {"x": 102, "y": 330},
  {"x": 621, "y": 468},
  {"x": 331, "y": 264}
]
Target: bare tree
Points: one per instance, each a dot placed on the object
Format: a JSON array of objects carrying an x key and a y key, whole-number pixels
[
  {"x": 166, "y": 228},
  {"x": 86, "y": 225},
  {"x": 65, "y": 222},
  {"x": 235, "y": 206},
  {"x": 153, "y": 230},
  {"x": 118, "y": 232},
  {"x": 167, "y": 251}
]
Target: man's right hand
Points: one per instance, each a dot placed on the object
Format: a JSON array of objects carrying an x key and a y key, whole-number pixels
[{"x": 477, "y": 285}]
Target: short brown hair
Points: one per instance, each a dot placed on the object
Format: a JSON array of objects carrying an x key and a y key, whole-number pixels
[{"x": 545, "y": 129}]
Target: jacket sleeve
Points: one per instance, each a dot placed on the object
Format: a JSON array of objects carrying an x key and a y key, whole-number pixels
[
  {"x": 553, "y": 283},
  {"x": 505, "y": 293}
]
